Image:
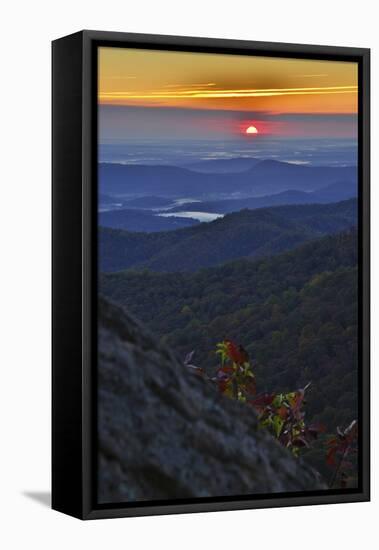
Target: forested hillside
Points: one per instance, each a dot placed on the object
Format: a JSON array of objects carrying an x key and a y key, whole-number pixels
[
  {"x": 295, "y": 313},
  {"x": 248, "y": 233},
  {"x": 142, "y": 220}
]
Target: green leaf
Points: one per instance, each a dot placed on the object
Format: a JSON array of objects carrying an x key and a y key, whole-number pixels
[
  {"x": 277, "y": 424},
  {"x": 278, "y": 400}
]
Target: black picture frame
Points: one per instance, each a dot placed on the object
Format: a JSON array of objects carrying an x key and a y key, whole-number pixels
[{"x": 74, "y": 271}]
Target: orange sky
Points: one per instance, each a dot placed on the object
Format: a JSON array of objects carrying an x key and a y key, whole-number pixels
[{"x": 226, "y": 82}]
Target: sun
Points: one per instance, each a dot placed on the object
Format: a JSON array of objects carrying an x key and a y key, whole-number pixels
[{"x": 251, "y": 130}]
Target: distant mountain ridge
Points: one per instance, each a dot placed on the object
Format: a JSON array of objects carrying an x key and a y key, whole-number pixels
[
  {"x": 248, "y": 233},
  {"x": 335, "y": 192},
  {"x": 339, "y": 191},
  {"x": 265, "y": 177},
  {"x": 223, "y": 166}
]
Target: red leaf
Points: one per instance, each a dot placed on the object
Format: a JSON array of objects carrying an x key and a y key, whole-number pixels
[
  {"x": 222, "y": 385},
  {"x": 263, "y": 400},
  {"x": 226, "y": 370},
  {"x": 298, "y": 401},
  {"x": 237, "y": 353},
  {"x": 331, "y": 456},
  {"x": 283, "y": 412},
  {"x": 251, "y": 387}
]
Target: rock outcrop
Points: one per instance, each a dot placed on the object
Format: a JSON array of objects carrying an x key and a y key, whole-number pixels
[{"x": 165, "y": 433}]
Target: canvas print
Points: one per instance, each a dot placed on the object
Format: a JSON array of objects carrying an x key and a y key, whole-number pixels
[{"x": 228, "y": 335}]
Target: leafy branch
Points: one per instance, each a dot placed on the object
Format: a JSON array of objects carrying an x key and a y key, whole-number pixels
[
  {"x": 340, "y": 448},
  {"x": 283, "y": 414}
]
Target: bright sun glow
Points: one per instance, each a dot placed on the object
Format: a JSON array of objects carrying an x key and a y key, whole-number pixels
[{"x": 251, "y": 130}]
